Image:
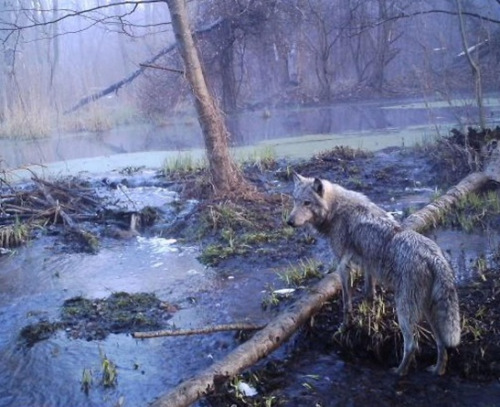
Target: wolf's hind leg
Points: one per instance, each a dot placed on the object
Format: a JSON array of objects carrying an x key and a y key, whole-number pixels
[
  {"x": 440, "y": 367},
  {"x": 409, "y": 347},
  {"x": 442, "y": 354}
]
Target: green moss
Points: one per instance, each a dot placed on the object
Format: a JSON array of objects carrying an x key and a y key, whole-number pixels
[
  {"x": 474, "y": 211},
  {"x": 121, "y": 312},
  {"x": 298, "y": 275}
]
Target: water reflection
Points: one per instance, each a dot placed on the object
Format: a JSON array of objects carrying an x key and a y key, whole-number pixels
[{"x": 344, "y": 121}]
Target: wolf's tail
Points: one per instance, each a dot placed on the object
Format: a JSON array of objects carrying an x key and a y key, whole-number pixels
[{"x": 445, "y": 309}]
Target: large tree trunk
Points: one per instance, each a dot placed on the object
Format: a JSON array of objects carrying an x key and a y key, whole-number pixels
[
  {"x": 287, "y": 323},
  {"x": 226, "y": 176}
]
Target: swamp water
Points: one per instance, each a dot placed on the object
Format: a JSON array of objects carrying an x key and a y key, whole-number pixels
[{"x": 36, "y": 279}]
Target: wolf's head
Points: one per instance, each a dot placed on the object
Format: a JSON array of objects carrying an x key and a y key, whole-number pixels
[{"x": 310, "y": 204}]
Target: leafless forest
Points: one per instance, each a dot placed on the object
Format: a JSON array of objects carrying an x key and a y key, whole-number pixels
[{"x": 115, "y": 61}]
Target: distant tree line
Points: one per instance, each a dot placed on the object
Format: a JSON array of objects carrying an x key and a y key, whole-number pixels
[
  {"x": 255, "y": 53},
  {"x": 266, "y": 53}
]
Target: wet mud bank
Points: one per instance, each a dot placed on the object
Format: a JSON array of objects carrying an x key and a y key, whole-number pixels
[
  {"x": 323, "y": 365},
  {"x": 259, "y": 266}
]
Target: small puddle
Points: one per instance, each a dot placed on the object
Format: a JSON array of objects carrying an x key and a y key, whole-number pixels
[{"x": 464, "y": 250}]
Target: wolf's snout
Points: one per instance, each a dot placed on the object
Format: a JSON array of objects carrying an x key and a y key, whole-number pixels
[{"x": 290, "y": 222}]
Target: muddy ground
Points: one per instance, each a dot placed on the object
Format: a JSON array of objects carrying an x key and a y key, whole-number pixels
[{"x": 251, "y": 236}]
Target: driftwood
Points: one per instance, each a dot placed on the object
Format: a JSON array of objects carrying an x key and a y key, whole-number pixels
[
  {"x": 288, "y": 322},
  {"x": 57, "y": 207},
  {"x": 47, "y": 202},
  {"x": 89, "y": 240}
]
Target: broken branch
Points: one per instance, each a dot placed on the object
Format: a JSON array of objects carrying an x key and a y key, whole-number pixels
[
  {"x": 198, "y": 331},
  {"x": 163, "y": 68}
]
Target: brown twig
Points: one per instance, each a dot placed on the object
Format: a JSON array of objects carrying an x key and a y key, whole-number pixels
[{"x": 198, "y": 331}]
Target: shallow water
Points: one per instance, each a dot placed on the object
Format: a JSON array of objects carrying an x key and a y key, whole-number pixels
[
  {"x": 463, "y": 250},
  {"x": 36, "y": 279}
]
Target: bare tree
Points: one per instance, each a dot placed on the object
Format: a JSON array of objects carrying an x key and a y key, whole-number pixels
[
  {"x": 476, "y": 69},
  {"x": 226, "y": 176},
  {"x": 322, "y": 38}
]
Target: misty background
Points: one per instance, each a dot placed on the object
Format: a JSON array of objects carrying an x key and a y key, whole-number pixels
[{"x": 94, "y": 65}]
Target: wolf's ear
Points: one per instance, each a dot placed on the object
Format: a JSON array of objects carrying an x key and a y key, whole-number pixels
[{"x": 318, "y": 186}]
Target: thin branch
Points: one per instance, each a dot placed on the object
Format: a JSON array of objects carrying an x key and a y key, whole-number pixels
[
  {"x": 198, "y": 331},
  {"x": 71, "y": 13},
  {"x": 424, "y": 12},
  {"x": 476, "y": 70},
  {"x": 163, "y": 68}
]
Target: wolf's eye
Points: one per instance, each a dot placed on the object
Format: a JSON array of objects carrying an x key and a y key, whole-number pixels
[{"x": 307, "y": 203}]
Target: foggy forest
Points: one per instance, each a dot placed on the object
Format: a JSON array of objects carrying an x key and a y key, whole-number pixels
[
  {"x": 159, "y": 157},
  {"x": 92, "y": 65}
]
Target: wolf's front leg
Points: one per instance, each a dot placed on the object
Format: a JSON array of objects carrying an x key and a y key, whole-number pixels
[
  {"x": 369, "y": 288},
  {"x": 345, "y": 276}
]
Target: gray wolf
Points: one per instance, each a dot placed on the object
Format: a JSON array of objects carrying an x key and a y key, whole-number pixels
[{"x": 412, "y": 265}]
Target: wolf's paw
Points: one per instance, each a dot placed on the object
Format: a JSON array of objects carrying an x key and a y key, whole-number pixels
[
  {"x": 437, "y": 370},
  {"x": 398, "y": 371}
]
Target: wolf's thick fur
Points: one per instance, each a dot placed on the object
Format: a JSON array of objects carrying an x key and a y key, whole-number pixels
[{"x": 407, "y": 262}]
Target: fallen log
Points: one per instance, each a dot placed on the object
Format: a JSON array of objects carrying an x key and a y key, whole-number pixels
[
  {"x": 288, "y": 322},
  {"x": 430, "y": 215},
  {"x": 256, "y": 348}
]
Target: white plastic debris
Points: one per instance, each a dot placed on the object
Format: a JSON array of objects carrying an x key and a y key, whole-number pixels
[
  {"x": 246, "y": 389},
  {"x": 284, "y": 291}
]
